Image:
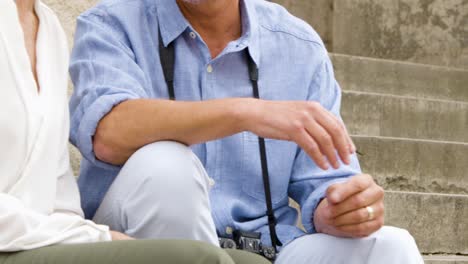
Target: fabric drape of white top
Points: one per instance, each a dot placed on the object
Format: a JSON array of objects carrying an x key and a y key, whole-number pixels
[{"x": 39, "y": 199}]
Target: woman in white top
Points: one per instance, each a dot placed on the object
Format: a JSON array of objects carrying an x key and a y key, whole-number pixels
[{"x": 39, "y": 199}]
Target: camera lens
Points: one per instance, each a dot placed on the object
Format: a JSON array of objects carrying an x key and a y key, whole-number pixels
[
  {"x": 269, "y": 253},
  {"x": 229, "y": 244}
]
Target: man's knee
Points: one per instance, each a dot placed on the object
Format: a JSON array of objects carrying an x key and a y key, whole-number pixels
[
  {"x": 167, "y": 165},
  {"x": 163, "y": 156},
  {"x": 396, "y": 241},
  {"x": 393, "y": 237}
]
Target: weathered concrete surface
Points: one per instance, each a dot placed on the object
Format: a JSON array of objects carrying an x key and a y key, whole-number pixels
[
  {"x": 445, "y": 259},
  {"x": 439, "y": 223},
  {"x": 412, "y": 165},
  {"x": 407, "y": 117},
  {"x": 423, "y": 31},
  {"x": 318, "y": 13},
  {"x": 400, "y": 78}
]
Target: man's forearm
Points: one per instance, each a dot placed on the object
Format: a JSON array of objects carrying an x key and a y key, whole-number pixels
[{"x": 136, "y": 123}]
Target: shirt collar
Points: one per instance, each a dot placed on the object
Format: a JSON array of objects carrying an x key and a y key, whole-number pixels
[{"x": 173, "y": 23}]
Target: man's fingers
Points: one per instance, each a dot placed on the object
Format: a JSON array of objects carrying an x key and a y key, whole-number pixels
[
  {"x": 360, "y": 215},
  {"x": 324, "y": 141},
  {"x": 351, "y": 146},
  {"x": 359, "y": 200},
  {"x": 308, "y": 144},
  {"x": 348, "y": 140},
  {"x": 362, "y": 229},
  {"x": 337, "y": 132},
  {"x": 342, "y": 191}
]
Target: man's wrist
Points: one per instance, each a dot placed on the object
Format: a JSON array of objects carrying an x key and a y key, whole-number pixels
[
  {"x": 315, "y": 216},
  {"x": 244, "y": 112}
]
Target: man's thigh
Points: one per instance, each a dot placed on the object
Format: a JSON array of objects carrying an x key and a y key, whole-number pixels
[{"x": 388, "y": 245}]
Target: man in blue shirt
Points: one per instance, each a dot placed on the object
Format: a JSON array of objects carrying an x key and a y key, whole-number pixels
[{"x": 138, "y": 180}]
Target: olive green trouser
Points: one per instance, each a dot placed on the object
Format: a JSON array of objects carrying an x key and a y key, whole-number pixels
[{"x": 132, "y": 252}]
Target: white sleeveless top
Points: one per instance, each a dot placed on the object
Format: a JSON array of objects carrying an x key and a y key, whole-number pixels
[{"x": 39, "y": 199}]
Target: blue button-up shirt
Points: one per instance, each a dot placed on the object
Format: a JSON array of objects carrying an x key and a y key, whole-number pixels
[{"x": 116, "y": 58}]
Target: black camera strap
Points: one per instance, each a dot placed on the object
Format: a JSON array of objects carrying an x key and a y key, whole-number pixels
[
  {"x": 253, "y": 72},
  {"x": 167, "y": 56}
]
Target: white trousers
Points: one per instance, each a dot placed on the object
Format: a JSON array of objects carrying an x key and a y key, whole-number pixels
[{"x": 163, "y": 192}]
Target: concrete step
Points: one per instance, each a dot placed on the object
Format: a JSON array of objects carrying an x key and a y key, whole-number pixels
[
  {"x": 445, "y": 259},
  {"x": 430, "y": 32},
  {"x": 415, "y": 165},
  {"x": 403, "y": 116},
  {"x": 438, "y": 222},
  {"x": 400, "y": 78}
]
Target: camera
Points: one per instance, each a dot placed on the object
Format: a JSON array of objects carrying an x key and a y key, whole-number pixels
[{"x": 248, "y": 241}]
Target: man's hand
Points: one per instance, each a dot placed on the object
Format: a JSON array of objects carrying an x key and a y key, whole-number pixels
[
  {"x": 119, "y": 236},
  {"x": 317, "y": 131},
  {"x": 343, "y": 212}
]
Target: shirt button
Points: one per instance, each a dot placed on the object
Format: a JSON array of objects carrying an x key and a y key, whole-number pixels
[
  {"x": 211, "y": 182},
  {"x": 193, "y": 35},
  {"x": 209, "y": 69}
]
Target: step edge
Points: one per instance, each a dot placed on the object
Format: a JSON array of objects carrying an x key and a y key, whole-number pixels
[
  {"x": 448, "y": 257},
  {"x": 404, "y": 97},
  {"x": 465, "y": 144},
  {"x": 388, "y": 61},
  {"x": 463, "y": 196}
]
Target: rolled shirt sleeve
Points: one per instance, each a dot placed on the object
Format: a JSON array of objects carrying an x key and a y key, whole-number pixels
[
  {"x": 104, "y": 73},
  {"x": 309, "y": 183}
]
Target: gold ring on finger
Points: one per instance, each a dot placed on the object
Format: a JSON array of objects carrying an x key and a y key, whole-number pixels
[{"x": 371, "y": 212}]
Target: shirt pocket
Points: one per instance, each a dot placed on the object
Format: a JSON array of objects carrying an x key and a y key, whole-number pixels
[{"x": 279, "y": 168}]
